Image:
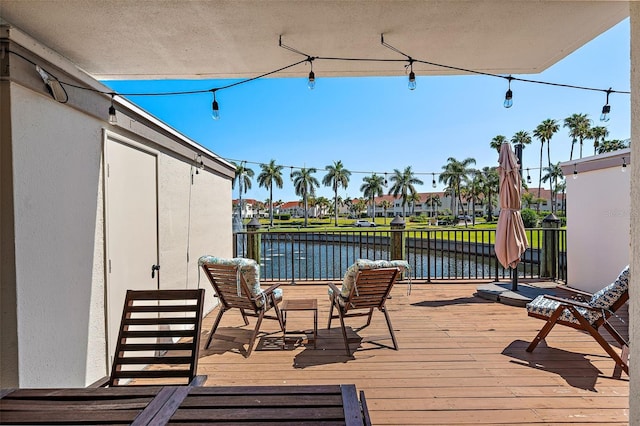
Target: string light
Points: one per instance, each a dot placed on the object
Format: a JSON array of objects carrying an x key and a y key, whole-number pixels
[
  {"x": 624, "y": 165},
  {"x": 385, "y": 179},
  {"x": 575, "y": 171},
  {"x": 112, "y": 112},
  {"x": 433, "y": 180},
  {"x": 412, "y": 76},
  {"x": 199, "y": 163},
  {"x": 508, "y": 97},
  {"x": 528, "y": 176},
  {"x": 58, "y": 91},
  {"x": 606, "y": 109},
  {"x": 311, "y": 84},
  {"x": 291, "y": 173},
  {"x": 215, "y": 108}
]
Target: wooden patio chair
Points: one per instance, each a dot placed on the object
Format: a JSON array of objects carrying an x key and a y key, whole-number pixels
[
  {"x": 586, "y": 312},
  {"x": 236, "y": 283},
  {"x": 159, "y": 339},
  {"x": 366, "y": 286}
]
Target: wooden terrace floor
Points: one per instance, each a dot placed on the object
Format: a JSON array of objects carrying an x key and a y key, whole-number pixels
[{"x": 461, "y": 360}]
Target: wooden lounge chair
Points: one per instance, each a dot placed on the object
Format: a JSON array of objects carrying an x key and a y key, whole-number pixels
[
  {"x": 159, "y": 339},
  {"x": 366, "y": 286},
  {"x": 586, "y": 312},
  {"x": 237, "y": 285}
]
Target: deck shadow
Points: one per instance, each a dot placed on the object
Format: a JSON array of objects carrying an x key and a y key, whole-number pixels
[
  {"x": 449, "y": 302},
  {"x": 575, "y": 368}
]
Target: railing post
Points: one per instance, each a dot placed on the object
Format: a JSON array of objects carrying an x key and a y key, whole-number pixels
[
  {"x": 397, "y": 240},
  {"x": 549, "y": 260},
  {"x": 254, "y": 240}
]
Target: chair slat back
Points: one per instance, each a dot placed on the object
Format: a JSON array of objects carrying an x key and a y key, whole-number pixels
[
  {"x": 159, "y": 337},
  {"x": 231, "y": 292},
  {"x": 371, "y": 289}
]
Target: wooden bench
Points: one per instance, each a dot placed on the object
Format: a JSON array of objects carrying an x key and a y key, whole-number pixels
[{"x": 160, "y": 405}]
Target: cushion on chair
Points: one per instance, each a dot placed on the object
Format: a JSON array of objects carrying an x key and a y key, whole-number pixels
[
  {"x": 249, "y": 269},
  {"x": 352, "y": 271},
  {"x": 608, "y": 295},
  {"x": 603, "y": 299},
  {"x": 546, "y": 307}
]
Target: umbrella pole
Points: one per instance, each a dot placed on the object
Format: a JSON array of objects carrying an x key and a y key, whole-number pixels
[{"x": 514, "y": 279}]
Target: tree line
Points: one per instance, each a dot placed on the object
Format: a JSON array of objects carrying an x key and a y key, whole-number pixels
[{"x": 462, "y": 181}]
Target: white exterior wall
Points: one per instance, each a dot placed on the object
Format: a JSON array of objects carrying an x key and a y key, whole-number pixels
[
  {"x": 59, "y": 223},
  {"x": 190, "y": 229},
  {"x": 59, "y": 242},
  {"x": 598, "y": 213},
  {"x": 634, "y": 292}
]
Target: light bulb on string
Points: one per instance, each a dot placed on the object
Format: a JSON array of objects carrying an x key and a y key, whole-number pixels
[
  {"x": 606, "y": 109},
  {"x": 215, "y": 108},
  {"x": 112, "y": 113},
  {"x": 508, "y": 97},
  {"x": 412, "y": 76},
  {"x": 291, "y": 173},
  {"x": 433, "y": 180},
  {"x": 528, "y": 176},
  {"x": 624, "y": 165},
  {"x": 311, "y": 83},
  {"x": 575, "y": 171},
  {"x": 385, "y": 179}
]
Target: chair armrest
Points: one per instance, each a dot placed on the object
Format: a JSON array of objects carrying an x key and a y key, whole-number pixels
[
  {"x": 198, "y": 380},
  {"x": 576, "y": 291},
  {"x": 334, "y": 288},
  {"x": 570, "y": 302},
  {"x": 273, "y": 287},
  {"x": 100, "y": 383}
]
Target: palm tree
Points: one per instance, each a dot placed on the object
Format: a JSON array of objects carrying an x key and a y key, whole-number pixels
[
  {"x": 403, "y": 185},
  {"x": 552, "y": 174},
  {"x": 598, "y": 133},
  {"x": 612, "y": 145},
  {"x": 243, "y": 176},
  {"x": 385, "y": 205},
  {"x": 475, "y": 189},
  {"x": 271, "y": 173},
  {"x": 491, "y": 186},
  {"x": 527, "y": 199},
  {"x": 371, "y": 188},
  {"x": 413, "y": 199},
  {"x": 433, "y": 200},
  {"x": 305, "y": 185},
  {"x": 523, "y": 139},
  {"x": 337, "y": 176},
  {"x": 324, "y": 205},
  {"x": 579, "y": 129},
  {"x": 454, "y": 174},
  {"x": 497, "y": 142},
  {"x": 544, "y": 132}
]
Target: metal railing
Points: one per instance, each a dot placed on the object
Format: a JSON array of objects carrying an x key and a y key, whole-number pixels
[{"x": 443, "y": 254}]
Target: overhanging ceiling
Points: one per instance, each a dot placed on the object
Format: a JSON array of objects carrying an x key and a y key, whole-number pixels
[{"x": 128, "y": 39}]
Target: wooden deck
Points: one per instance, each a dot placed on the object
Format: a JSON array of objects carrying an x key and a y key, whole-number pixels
[{"x": 461, "y": 360}]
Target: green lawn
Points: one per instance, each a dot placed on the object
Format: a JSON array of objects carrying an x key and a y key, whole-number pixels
[{"x": 438, "y": 232}]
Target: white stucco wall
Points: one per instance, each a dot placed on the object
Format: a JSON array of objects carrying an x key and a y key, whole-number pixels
[
  {"x": 59, "y": 264},
  {"x": 634, "y": 292},
  {"x": 191, "y": 225},
  {"x": 59, "y": 223},
  {"x": 598, "y": 221}
]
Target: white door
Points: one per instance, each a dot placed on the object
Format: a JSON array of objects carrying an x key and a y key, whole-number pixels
[{"x": 131, "y": 227}]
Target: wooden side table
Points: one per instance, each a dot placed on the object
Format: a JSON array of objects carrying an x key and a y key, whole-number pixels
[{"x": 299, "y": 305}]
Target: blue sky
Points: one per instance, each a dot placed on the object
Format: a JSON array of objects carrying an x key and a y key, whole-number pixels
[{"x": 375, "y": 124}]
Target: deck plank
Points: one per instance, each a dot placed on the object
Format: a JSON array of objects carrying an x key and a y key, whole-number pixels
[{"x": 462, "y": 360}]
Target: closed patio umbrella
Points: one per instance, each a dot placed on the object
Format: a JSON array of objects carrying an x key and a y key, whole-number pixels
[{"x": 511, "y": 240}]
